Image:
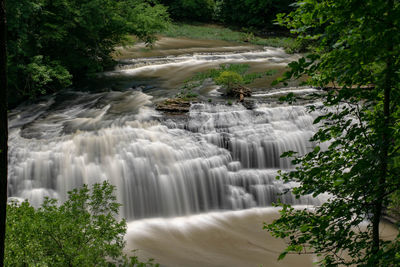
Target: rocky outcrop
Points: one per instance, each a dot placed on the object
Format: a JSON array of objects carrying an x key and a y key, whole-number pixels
[
  {"x": 239, "y": 91},
  {"x": 175, "y": 105}
]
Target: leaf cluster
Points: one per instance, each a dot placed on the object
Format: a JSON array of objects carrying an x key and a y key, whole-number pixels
[
  {"x": 252, "y": 13},
  {"x": 356, "y": 154},
  {"x": 229, "y": 79},
  {"x": 52, "y": 43},
  {"x": 83, "y": 231}
]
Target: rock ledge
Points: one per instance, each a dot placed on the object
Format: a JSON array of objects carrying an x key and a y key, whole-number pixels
[{"x": 175, "y": 105}]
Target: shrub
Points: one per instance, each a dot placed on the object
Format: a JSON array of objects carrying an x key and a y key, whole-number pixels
[
  {"x": 229, "y": 79},
  {"x": 83, "y": 231}
]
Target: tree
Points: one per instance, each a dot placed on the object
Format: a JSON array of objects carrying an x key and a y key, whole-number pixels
[
  {"x": 83, "y": 231},
  {"x": 191, "y": 10},
  {"x": 357, "y": 61},
  {"x": 252, "y": 13},
  {"x": 3, "y": 128},
  {"x": 42, "y": 33}
]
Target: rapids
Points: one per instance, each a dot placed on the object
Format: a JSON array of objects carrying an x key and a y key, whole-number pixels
[{"x": 217, "y": 158}]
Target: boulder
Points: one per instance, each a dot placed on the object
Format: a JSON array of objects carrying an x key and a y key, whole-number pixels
[
  {"x": 249, "y": 104},
  {"x": 239, "y": 91}
]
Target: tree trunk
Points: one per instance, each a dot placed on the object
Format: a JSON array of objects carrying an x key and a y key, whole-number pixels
[
  {"x": 384, "y": 153},
  {"x": 378, "y": 207},
  {"x": 3, "y": 128}
]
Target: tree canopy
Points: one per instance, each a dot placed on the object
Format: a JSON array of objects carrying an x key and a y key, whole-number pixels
[
  {"x": 357, "y": 61},
  {"x": 52, "y": 43},
  {"x": 252, "y": 13},
  {"x": 191, "y": 10},
  {"x": 248, "y": 14}
]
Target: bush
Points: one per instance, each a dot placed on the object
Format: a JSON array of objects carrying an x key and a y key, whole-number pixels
[
  {"x": 229, "y": 79},
  {"x": 83, "y": 231}
]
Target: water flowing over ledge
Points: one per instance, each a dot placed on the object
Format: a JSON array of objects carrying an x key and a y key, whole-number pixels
[{"x": 217, "y": 157}]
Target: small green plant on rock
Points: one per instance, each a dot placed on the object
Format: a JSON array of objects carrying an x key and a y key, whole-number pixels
[
  {"x": 187, "y": 93},
  {"x": 248, "y": 37},
  {"x": 229, "y": 80}
]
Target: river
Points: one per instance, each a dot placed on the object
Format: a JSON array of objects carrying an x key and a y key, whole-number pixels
[{"x": 195, "y": 187}]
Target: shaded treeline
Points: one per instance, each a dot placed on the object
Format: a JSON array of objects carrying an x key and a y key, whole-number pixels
[
  {"x": 55, "y": 42},
  {"x": 248, "y": 14}
]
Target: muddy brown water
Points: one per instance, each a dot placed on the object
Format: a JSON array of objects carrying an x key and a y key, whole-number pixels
[{"x": 233, "y": 238}]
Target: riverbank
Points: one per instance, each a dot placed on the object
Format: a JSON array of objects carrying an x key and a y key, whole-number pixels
[{"x": 217, "y": 32}]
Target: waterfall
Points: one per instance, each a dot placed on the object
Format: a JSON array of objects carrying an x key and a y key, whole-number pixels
[{"x": 218, "y": 157}]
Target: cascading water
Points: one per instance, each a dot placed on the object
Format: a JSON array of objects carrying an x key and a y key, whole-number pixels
[
  {"x": 216, "y": 157},
  {"x": 220, "y": 157}
]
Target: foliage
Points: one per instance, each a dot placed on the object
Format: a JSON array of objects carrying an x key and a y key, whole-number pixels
[
  {"x": 46, "y": 75},
  {"x": 357, "y": 143},
  {"x": 229, "y": 79},
  {"x": 394, "y": 206},
  {"x": 252, "y": 13},
  {"x": 187, "y": 93},
  {"x": 83, "y": 231},
  {"x": 145, "y": 20},
  {"x": 248, "y": 37},
  {"x": 51, "y": 42},
  {"x": 227, "y": 75},
  {"x": 192, "y": 10},
  {"x": 240, "y": 69},
  {"x": 249, "y": 13}
]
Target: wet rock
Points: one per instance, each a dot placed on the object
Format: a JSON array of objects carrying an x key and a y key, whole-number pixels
[
  {"x": 175, "y": 105},
  {"x": 249, "y": 104},
  {"x": 239, "y": 91},
  {"x": 138, "y": 88}
]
